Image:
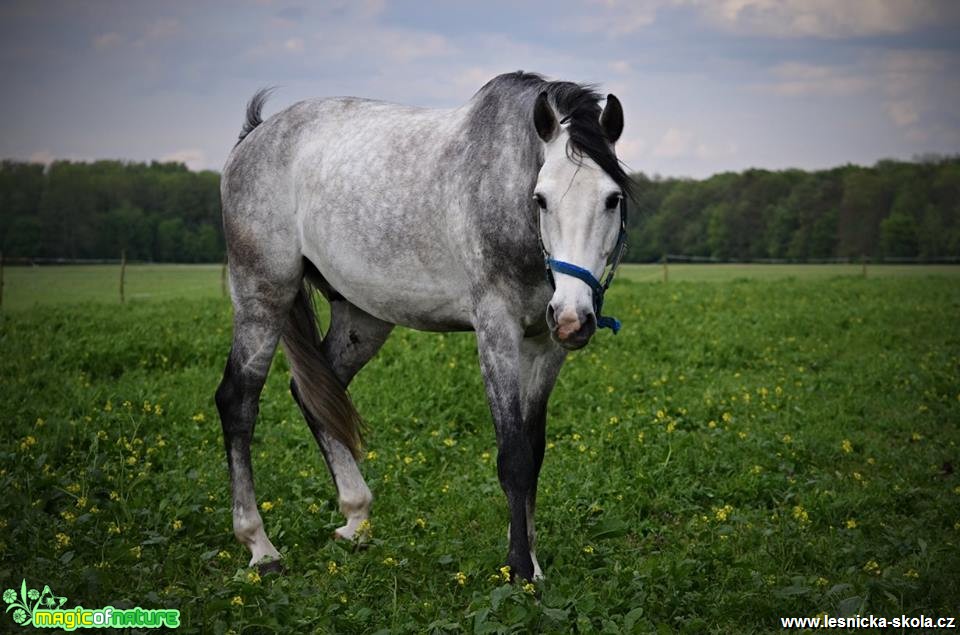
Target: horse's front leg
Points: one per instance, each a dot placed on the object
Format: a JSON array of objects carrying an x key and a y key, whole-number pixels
[
  {"x": 498, "y": 343},
  {"x": 540, "y": 363}
]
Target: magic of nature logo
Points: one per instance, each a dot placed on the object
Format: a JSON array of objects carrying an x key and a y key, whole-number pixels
[{"x": 44, "y": 609}]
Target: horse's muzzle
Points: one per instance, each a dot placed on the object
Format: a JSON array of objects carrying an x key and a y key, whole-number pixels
[{"x": 569, "y": 328}]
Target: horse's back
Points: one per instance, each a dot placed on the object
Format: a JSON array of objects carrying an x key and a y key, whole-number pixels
[{"x": 357, "y": 187}]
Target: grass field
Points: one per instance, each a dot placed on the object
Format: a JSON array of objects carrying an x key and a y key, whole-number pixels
[
  {"x": 745, "y": 449},
  {"x": 26, "y": 287}
]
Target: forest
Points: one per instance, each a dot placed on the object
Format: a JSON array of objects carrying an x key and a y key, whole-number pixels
[
  {"x": 891, "y": 210},
  {"x": 163, "y": 212}
]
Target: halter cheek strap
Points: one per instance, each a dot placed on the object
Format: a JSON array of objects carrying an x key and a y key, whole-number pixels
[{"x": 598, "y": 287}]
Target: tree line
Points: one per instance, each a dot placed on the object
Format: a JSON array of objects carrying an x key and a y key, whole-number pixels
[
  {"x": 159, "y": 212},
  {"x": 163, "y": 212},
  {"x": 894, "y": 209}
]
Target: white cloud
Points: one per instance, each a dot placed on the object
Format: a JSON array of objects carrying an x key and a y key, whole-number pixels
[
  {"x": 824, "y": 18},
  {"x": 294, "y": 45},
  {"x": 631, "y": 150},
  {"x": 42, "y": 156},
  {"x": 616, "y": 17},
  {"x": 903, "y": 113},
  {"x": 108, "y": 41},
  {"x": 680, "y": 143},
  {"x": 161, "y": 29},
  {"x": 798, "y": 79},
  {"x": 194, "y": 158},
  {"x": 674, "y": 143},
  {"x": 920, "y": 88}
]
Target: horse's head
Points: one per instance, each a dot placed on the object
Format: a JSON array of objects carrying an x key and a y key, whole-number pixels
[{"x": 580, "y": 215}]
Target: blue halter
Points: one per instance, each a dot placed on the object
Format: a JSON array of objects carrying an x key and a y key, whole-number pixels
[{"x": 599, "y": 287}]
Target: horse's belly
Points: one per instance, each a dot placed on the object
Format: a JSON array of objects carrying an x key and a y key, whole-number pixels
[{"x": 395, "y": 287}]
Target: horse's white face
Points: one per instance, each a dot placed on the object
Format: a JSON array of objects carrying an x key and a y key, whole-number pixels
[{"x": 579, "y": 224}]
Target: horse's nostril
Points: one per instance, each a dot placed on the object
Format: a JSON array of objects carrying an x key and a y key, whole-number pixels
[
  {"x": 589, "y": 324},
  {"x": 551, "y": 316}
]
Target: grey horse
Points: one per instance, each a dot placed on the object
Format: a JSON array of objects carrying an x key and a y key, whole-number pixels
[{"x": 499, "y": 217}]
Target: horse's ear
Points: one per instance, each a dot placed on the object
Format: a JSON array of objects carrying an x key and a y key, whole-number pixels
[
  {"x": 611, "y": 119},
  {"x": 544, "y": 119}
]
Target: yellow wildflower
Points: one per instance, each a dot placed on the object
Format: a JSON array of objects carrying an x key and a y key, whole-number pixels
[
  {"x": 529, "y": 588},
  {"x": 364, "y": 530},
  {"x": 237, "y": 601},
  {"x": 846, "y": 446},
  {"x": 461, "y": 578},
  {"x": 389, "y": 561},
  {"x": 911, "y": 573},
  {"x": 722, "y": 513},
  {"x": 851, "y": 523},
  {"x": 372, "y": 455},
  {"x": 872, "y": 567},
  {"x": 63, "y": 540},
  {"x": 136, "y": 552},
  {"x": 253, "y": 577},
  {"x": 199, "y": 417},
  {"x": 266, "y": 506},
  {"x": 313, "y": 508},
  {"x": 505, "y": 573},
  {"x": 800, "y": 514},
  {"x": 332, "y": 568},
  {"x": 177, "y": 524},
  {"x": 588, "y": 550}
]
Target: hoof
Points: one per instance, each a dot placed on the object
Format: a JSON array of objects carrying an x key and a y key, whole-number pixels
[
  {"x": 274, "y": 567},
  {"x": 358, "y": 539}
]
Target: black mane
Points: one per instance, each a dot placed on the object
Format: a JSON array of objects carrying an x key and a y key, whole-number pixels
[{"x": 578, "y": 105}]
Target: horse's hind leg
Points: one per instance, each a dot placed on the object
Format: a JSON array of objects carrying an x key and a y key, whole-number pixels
[
  {"x": 260, "y": 311},
  {"x": 353, "y": 339}
]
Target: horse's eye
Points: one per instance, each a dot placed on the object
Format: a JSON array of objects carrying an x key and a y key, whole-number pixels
[
  {"x": 541, "y": 202},
  {"x": 613, "y": 201}
]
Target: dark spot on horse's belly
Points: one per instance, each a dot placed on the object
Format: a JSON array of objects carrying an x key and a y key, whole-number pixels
[{"x": 354, "y": 339}]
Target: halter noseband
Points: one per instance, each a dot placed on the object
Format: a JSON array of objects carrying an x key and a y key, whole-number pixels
[{"x": 599, "y": 287}]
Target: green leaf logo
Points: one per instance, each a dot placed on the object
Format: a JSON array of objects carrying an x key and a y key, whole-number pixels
[{"x": 28, "y": 601}]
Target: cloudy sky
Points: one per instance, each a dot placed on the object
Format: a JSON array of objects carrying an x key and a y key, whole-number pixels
[{"x": 707, "y": 85}]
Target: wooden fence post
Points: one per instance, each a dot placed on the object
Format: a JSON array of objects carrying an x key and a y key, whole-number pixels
[
  {"x": 123, "y": 273},
  {"x": 223, "y": 277},
  {"x": 665, "y": 273},
  {"x": 1, "y": 279}
]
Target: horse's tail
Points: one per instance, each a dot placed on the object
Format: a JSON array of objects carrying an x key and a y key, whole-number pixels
[
  {"x": 320, "y": 391},
  {"x": 254, "y": 108}
]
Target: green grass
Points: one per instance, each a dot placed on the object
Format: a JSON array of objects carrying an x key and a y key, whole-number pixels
[
  {"x": 27, "y": 287},
  {"x": 741, "y": 451},
  {"x": 686, "y": 272}
]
